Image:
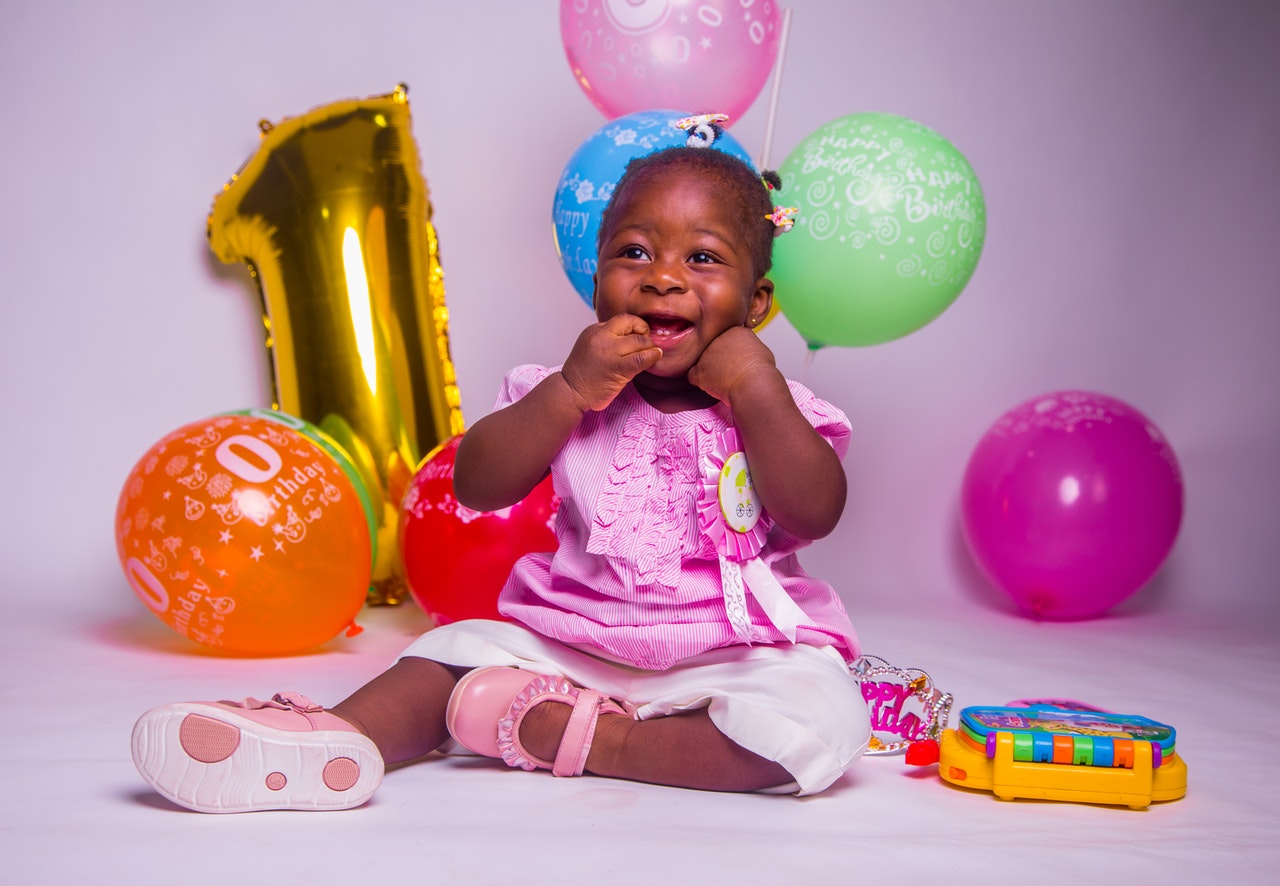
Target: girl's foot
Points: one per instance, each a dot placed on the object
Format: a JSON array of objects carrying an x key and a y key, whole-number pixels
[
  {"x": 490, "y": 705},
  {"x": 286, "y": 753}
]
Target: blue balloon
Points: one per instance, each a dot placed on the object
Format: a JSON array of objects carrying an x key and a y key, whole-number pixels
[{"x": 593, "y": 171}]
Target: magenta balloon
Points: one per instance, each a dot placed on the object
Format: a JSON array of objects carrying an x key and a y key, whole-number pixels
[{"x": 1071, "y": 502}]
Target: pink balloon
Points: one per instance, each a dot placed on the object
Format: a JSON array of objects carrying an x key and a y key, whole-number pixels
[
  {"x": 1071, "y": 502},
  {"x": 710, "y": 56}
]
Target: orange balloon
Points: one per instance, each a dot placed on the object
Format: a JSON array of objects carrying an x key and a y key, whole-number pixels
[{"x": 241, "y": 533}]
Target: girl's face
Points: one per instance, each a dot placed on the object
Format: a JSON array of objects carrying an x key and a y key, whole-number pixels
[{"x": 678, "y": 259}]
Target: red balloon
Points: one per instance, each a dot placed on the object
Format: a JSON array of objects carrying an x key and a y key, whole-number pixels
[{"x": 456, "y": 560}]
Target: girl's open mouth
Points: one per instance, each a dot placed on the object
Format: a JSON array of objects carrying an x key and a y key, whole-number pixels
[{"x": 667, "y": 331}]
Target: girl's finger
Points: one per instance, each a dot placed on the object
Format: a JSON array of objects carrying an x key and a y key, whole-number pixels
[{"x": 626, "y": 324}]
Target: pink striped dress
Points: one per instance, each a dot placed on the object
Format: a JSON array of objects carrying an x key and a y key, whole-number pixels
[{"x": 635, "y": 579}]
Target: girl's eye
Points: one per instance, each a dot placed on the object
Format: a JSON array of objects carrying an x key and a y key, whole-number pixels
[
  {"x": 634, "y": 252},
  {"x": 702, "y": 258}
]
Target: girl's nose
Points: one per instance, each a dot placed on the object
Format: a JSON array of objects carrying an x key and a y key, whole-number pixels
[{"x": 665, "y": 275}]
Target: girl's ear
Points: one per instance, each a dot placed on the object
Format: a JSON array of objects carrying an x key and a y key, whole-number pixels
[{"x": 761, "y": 302}]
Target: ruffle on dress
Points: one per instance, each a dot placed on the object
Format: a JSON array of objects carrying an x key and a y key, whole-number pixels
[{"x": 645, "y": 514}]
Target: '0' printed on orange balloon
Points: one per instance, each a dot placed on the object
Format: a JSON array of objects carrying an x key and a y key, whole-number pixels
[{"x": 242, "y": 533}]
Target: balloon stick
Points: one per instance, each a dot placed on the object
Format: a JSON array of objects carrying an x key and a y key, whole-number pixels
[{"x": 773, "y": 90}]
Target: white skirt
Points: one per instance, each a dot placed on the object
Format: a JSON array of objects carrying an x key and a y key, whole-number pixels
[{"x": 795, "y": 705}]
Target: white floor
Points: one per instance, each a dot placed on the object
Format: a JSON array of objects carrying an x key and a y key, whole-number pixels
[{"x": 76, "y": 808}]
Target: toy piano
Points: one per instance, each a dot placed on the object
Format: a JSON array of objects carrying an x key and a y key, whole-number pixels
[{"x": 1047, "y": 752}]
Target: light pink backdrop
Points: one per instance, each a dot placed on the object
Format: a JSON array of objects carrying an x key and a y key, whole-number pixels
[{"x": 1125, "y": 150}]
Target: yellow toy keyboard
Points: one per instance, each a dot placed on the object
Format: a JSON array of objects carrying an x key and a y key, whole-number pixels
[{"x": 1046, "y": 752}]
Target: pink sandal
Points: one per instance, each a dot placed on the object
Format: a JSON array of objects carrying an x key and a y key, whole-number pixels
[
  {"x": 488, "y": 705},
  {"x": 286, "y": 753}
]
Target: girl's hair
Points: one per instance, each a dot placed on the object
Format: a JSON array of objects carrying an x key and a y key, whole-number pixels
[{"x": 742, "y": 188}]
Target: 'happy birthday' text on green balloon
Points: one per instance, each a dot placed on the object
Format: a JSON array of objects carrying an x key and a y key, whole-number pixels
[{"x": 890, "y": 227}]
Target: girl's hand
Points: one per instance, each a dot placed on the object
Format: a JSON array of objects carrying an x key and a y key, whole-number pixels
[
  {"x": 606, "y": 357},
  {"x": 734, "y": 355}
]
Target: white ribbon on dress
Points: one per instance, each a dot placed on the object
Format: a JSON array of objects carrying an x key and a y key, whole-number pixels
[{"x": 730, "y": 514}]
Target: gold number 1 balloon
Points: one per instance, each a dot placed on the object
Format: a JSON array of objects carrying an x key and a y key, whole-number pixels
[{"x": 332, "y": 217}]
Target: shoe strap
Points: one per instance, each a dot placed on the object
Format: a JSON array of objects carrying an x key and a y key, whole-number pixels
[
  {"x": 296, "y": 701},
  {"x": 575, "y": 744},
  {"x": 284, "y": 701}
]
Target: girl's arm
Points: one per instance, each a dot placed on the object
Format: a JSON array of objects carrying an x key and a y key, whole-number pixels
[
  {"x": 505, "y": 454},
  {"x": 796, "y": 473}
]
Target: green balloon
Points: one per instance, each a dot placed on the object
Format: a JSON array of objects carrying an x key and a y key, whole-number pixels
[{"x": 890, "y": 226}]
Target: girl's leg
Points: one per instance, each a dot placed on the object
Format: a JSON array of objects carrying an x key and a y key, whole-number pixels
[
  {"x": 402, "y": 710},
  {"x": 683, "y": 750}
]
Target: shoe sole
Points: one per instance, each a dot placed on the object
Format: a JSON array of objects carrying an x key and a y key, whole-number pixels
[{"x": 209, "y": 759}]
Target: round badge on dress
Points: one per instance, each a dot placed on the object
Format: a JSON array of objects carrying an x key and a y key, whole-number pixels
[{"x": 738, "y": 502}]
